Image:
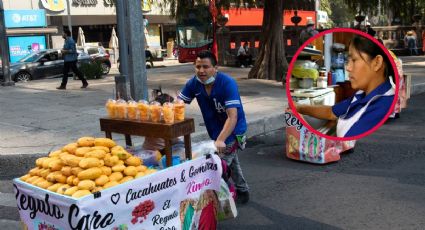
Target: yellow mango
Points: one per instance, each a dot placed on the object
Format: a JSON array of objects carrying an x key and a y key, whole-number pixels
[
  {"x": 32, "y": 179},
  {"x": 91, "y": 173},
  {"x": 38, "y": 180},
  {"x": 86, "y": 141},
  {"x": 55, "y": 165},
  {"x": 35, "y": 171},
  {"x": 81, "y": 193},
  {"x": 54, "y": 187},
  {"x": 75, "y": 181},
  {"x": 76, "y": 170},
  {"x": 125, "y": 179},
  {"x": 105, "y": 149},
  {"x": 52, "y": 176},
  {"x": 70, "y": 180},
  {"x": 60, "y": 178},
  {"x": 39, "y": 161},
  {"x": 70, "y": 148},
  {"x": 66, "y": 171},
  {"x": 25, "y": 177},
  {"x": 116, "y": 176},
  {"x": 140, "y": 174},
  {"x": 97, "y": 189},
  {"x": 72, "y": 160},
  {"x": 110, "y": 184},
  {"x": 102, "y": 180},
  {"x": 89, "y": 163},
  {"x": 63, "y": 188},
  {"x": 44, "y": 184},
  {"x": 133, "y": 161},
  {"x": 104, "y": 142},
  {"x": 71, "y": 191},
  {"x": 82, "y": 150},
  {"x": 43, "y": 173},
  {"x": 86, "y": 185},
  {"x": 55, "y": 153},
  {"x": 118, "y": 168},
  {"x": 106, "y": 170},
  {"x": 46, "y": 162},
  {"x": 130, "y": 171},
  {"x": 111, "y": 160},
  {"x": 141, "y": 168},
  {"x": 97, "y": 153}
]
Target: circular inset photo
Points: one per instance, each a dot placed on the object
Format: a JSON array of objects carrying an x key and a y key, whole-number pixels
[{"x": 342, "y": 84}]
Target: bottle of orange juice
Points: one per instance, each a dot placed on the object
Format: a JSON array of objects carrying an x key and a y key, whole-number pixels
[
  {"x": 144, "y": 110},
  {"x": 179, "y": 110},
  {"x": 121, "y": 109},
  {"x": 110, "y": 108},
  {"x": 155, "y": 108},
  {"x": 132, "y": 110},
  {"x": 168, "y": 112}
]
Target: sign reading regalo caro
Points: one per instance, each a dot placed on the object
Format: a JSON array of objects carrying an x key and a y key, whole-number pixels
[{"x": 164, "y": 200}]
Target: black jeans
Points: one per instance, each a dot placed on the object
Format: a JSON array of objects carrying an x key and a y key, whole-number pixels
[
  {"x": 245, "y": 60},
  {"x": 72, "y": 65}
]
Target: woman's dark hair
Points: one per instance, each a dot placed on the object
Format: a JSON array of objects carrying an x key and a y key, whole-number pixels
[
  {"x": 67, "y": 32},
  {"x": 207, "y": 54},
  {"x": 367, "y": 46}
]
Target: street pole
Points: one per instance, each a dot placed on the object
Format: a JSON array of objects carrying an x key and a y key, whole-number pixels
[
  {"x": 122, "y": 80},
  {"x": 7, "y": 80},
  {"x": 68, "y": 5},
  {"x": 132, "y": 48}
]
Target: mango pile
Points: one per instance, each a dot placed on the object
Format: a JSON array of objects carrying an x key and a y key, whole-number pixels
[{"x": 86, "y": 166}]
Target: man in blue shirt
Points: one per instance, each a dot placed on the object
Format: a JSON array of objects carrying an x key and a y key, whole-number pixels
[
  {"x": 218, "y": 98},
  {"x": 70, "y": 56}
]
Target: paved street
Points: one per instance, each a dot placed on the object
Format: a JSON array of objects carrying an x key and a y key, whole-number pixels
[{"x": 379, "y": 186}]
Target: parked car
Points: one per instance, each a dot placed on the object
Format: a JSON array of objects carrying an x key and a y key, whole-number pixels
[
  {"x": 41, "y": 64},
  {"x": 100, "y": 55}
]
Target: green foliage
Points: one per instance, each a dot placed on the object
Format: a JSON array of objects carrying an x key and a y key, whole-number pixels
[{"x": 92, "y": 70}]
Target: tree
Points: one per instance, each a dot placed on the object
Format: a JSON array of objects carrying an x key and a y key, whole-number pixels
[{"x": 271, "y": 63}]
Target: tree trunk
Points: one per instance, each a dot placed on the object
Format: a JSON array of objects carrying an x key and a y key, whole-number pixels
[{"x": 271, "y": 63}]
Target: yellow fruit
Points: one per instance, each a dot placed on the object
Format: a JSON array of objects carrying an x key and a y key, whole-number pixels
[
  {"x": 25, "y": 177},
  {"x": 141, "y": 168},
  {"x": 97, "y": 153},
  {"x": 89, "y": 163},
  {"x": 86, "y": 185},
  {"x": 118, "y": 168},
  {"x": 82, "y": 150},
  {"x": 125, "y": 179},
  {"x": 102, "y": 180},
  {"x": 38, "y": 180},
  {"x": 71, "y": 160},
  {"x": 32, "y": 179},
  {"x": 60, "y": 178},
  {"x": 70, "y": 148},
  {"x": 86, "y": 141},
  {"x": 35, "y": 171},
  {"x": 110, "y": 184},
  {"x": 111, "y": 160},
  {"x": 90, "y": 174},
  {"x": 54, "y": 187},
  {"x": 63, "y": 188},
  {"x": 44, "y": 184},
  {"x": 46, "y": 162},
  {"x": 106, "y": 170},
  {"x": 133, "y": 161},
  {"x": 75, "y": 181},
  {"x": 39, "y": 161},
  {"x": 97, "y": 189},
  {"x": 106, "y": 149},
  {"x": 140, "y": 174},
  {"x": 117, "y": 148},
  {"x": 55, "y": 153},
  {"x": 55, "y": 165},
  {"x": 70, "y": 180},
  {"x": 66, "y": 171},
  {"x": 81, "y": 193},
  {"x": 43, "y": 173},
  {"x": 52, "y": 176},
  {"x": 115, "y": 176},
  {"x": 130, "y": 171},
  {"x": 76, "y": 170},
  {"x": 71, "y": 191},
  {"x": 104, "y": 142}
]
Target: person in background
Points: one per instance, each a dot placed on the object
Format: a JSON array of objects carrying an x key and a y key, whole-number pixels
[
  {"x": 218, "y": 97},
  {"x": 369, "y": 30},
  {"x": 423, "y": 41},
  {"x": 100, "y": 48},
  {"x": 244, "y": 57},
  {"x": 70, "y": 57},
  {"x": 410, "y": 43},
  {"x": 370, "y": 70},
  {"x": 308, "y": 32}
]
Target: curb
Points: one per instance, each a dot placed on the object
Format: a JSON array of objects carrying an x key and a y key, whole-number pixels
[{"x": 10, "y": 168}]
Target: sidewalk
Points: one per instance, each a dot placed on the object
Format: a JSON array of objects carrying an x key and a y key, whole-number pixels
[{"x": 36, "y": 118}]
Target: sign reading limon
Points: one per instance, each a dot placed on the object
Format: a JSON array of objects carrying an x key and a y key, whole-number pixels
[{"x": 54, "y": 5}]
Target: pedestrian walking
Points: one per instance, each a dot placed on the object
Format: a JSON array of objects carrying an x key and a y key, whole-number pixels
[
  {"x": 308, "y": 32},
  {"x": 410, "y": 42},
  {"x": 244, "y": 57},
  {"x": 218, "y": 97},
  {"x": 70, "y": 57}
]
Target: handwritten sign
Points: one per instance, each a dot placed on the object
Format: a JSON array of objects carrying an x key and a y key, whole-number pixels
[{"x": 157, "y": 201}]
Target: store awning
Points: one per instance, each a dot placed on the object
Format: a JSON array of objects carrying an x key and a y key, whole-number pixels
[{"x": 48, "y": 30}]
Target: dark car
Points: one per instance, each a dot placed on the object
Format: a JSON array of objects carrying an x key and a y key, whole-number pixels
[
  {"x": 98, "y": 54},
  {"x": 41, "y": 64}
]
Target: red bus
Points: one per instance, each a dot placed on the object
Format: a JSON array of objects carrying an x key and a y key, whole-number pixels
[{"x": 195, "y": 32}]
